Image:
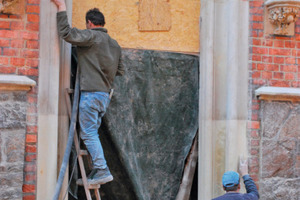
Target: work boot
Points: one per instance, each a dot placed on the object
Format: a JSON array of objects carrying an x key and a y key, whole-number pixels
[
  {"x": 90, "y": 176},
  {"x": 102, "y": 176}
]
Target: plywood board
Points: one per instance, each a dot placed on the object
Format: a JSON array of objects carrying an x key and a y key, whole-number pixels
[
  {"x": 154, "y": 15},
  {"x": 122, "y": 18}
]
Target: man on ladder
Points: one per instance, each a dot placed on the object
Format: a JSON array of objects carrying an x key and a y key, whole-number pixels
[{"x": 99, "y": 62}]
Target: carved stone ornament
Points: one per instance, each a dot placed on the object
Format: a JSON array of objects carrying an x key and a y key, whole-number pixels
[
  {"x": 12, "y": 6},
  {"x": 283, "y": 14}
]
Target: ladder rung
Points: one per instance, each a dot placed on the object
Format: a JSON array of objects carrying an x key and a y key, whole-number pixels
[
  {"x": 83, "y": 152},
  {"x": 70, "y": 91},
  {"x": 94, "y": 186}
]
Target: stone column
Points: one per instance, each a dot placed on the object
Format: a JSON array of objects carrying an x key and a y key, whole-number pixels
[
  {"x": 53, "y": 79},
  {"x": 223, "y": 90},
  {"x": 206, "y": 100}
]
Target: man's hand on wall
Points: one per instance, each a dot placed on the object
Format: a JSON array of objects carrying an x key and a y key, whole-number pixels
[
  {"x": 243, "y": 167},
  {"x": 61, "y": 5}
]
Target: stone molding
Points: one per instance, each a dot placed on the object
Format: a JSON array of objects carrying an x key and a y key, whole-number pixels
[
  {"x": 281, "y": 16},
  {"x": 278, "y": 94},
  {"x": 16, "y": 83}
]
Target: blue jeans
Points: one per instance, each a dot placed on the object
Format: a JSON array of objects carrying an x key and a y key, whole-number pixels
[{"x": 92, "y": 108}]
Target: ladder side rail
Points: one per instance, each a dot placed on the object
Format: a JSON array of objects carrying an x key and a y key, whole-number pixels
[
  {"x": 77, "y": 147},
  {"x": 72, "y": 129}
]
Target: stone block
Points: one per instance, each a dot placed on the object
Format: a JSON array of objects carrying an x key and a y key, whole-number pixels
[
  {"x": 280, "y": 189},
  {"x": 278, "y": 158},
  {"x": 11, "y": 193},
  {"x": 20, "y": 96},
  {"x": 280, "y": 150},
  {"x": 12, "y": 110},
  {"x": 291, "y": 127},
  {"x": 14, "y": 167},
  {"x": 11, "y": 185},
  {"x": 273, "y": 116},
  {"x": 11, "y": 180},
  {"x": 13, "y": 145},
  {"x": 4, "y": 96}
]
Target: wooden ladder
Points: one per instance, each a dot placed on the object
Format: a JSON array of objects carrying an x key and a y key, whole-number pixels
[{"x": 81, "y": 153}]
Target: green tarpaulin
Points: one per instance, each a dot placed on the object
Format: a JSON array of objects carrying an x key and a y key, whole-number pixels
[{"x": 150, "y": 124}]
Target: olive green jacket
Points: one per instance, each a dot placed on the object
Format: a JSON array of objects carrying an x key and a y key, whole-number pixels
[{"x": 98, "y": 55}]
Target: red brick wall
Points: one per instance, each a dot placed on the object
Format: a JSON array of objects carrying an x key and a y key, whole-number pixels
[
  {"x": 273, "y": 62},
  {"x": 19, "y": 54}
]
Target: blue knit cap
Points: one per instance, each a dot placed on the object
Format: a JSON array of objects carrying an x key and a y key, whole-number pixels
[{"x": 230, "y": 179}]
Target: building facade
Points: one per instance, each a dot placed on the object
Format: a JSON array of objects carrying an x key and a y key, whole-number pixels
[{"x": 248, "y": 88}]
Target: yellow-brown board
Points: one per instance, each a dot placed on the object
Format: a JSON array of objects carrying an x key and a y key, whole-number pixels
[
  {"x": 154, "y": 15},
  {"x": 122, "y": 22}
]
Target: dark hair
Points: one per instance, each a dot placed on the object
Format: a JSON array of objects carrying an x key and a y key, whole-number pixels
[
  {"x": 95, "y": 16},
  {"x": 232, "y": 188}
]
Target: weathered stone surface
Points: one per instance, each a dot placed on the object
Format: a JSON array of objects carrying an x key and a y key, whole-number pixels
[
  {"x": 12, "y": 110},
  {"x": 11, "y": 180},
  {"x": 278, "y": 158},
  {"x": 14, "y": 167},
  {"x": 291, "y": 128},
  {"x": 13, "y": 107},
  {"x": 280, "y": 151},
  {"x": 10, "y": 193},
  {"x": 280, "y": 189},
  {"x": 19, "y": 96},
  {"x": 15, "y": 145},
  {"x": 4, "y": 96},
  {"x": 273, "y": 117},
  {"x": 11, "y": 185},
  {"x": 12, "y": 150}
]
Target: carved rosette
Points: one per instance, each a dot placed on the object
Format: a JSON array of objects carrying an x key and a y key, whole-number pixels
[{"x": 283, "y": 13}]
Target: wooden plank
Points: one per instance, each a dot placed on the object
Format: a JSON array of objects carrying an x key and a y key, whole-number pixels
[
  {"x": 189, "y": 172},
  {"x": 97, "y": 195},
  {"x": 292, "y": 99},
  {"x": 154, "y": 15},
  {"x": 13, "y": 87}
]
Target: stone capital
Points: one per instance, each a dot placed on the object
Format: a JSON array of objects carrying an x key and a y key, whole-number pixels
[{"x": 281, "y": 16}]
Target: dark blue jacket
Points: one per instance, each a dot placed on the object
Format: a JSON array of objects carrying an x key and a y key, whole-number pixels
[{"x": 252, "y": 193}]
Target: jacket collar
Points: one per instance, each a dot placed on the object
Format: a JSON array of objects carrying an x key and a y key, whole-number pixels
[{"x": 100, "y": 29}]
